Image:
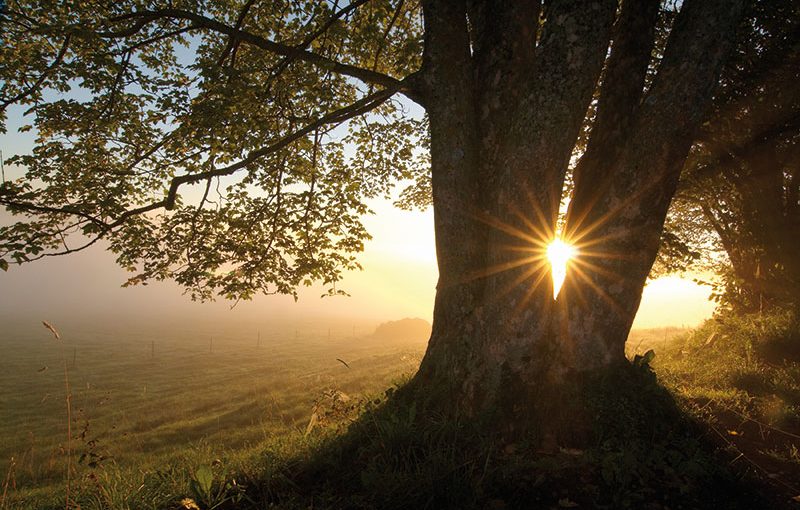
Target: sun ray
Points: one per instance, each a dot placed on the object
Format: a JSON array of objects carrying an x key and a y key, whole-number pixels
[
  {"x": 531, "y": 290},
  {"x": 596, "y": 254},
  {"x": 537, "y": 269},
  {"x": 601, "y": 239},
  {"x": 577, "y": 231},
  {"x": 506, "y": 228},
  {"x": 541, "y": 231},
  {"x": 583, "y": 265},
  {"x": 600, "y": 292},
  {"x": 499, "y": 268}
]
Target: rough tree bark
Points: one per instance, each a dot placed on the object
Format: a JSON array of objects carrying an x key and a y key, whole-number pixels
[{"x": 506, "y": 96}]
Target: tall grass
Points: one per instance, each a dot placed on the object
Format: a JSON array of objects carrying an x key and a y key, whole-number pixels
[
  {"x": 9, "y": 478},
  {"x": 245, "y": 397},
  {"x": 57, "y": 336}
]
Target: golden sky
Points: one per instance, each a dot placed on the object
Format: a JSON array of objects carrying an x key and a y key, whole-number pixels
[{"x": 398, "y": 280}]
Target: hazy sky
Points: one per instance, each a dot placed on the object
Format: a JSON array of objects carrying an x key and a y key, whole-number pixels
[{"x": 398, "y": 280}]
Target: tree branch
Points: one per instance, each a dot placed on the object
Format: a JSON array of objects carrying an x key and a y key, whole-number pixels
[
  {"x": 361, "y": 106},
  {"x": 67, "y": 251},
  {"x": 620, "y": 94},
  {"x": 314, "y": 35},
  {"x": 389, "y": 27},
  {"x": 160, "y": 37},
  {"x": 112, "y": 96},
  {"x": 365, "y": 75},
  {"x": 27, "y": 206},
  {"x": 231, "y": 41},
  {"x": 357, "y": 108}
]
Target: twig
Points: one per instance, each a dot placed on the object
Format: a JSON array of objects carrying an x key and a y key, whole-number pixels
[{"x": 40, "y": 80}]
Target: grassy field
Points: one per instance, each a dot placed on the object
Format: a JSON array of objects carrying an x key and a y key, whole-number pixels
[
  {"x": 224, "y": 419},
  {"x": 141, "y": 401},
  {"x": 740, "y": 377}
]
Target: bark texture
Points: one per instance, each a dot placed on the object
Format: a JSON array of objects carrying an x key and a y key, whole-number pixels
[
  {"x": 619, "y": 217},
  {"x": 507, "y": 87}
]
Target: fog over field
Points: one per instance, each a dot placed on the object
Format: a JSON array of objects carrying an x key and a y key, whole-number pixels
[{"x": 398, "y": 280}]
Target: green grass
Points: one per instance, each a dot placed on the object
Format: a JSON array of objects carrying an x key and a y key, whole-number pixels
[
  {"x": 135, "y": 413},
  {"x": 715, "y": 425},
  {"x": 740, "y": 377},
  {"x": 642, "y": 453}
]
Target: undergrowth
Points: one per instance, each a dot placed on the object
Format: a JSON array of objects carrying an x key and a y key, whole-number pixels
[
  {"x": 643, "y": 453},
  {"x": 750, "y": 364}
]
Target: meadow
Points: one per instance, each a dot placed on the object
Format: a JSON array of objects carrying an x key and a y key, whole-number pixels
[
  {"x": 142, "y": 399},
  {"x": 180, "y": 417}
]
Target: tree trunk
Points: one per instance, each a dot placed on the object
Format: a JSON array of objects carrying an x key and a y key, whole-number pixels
[{"x": 506, "y": 102}]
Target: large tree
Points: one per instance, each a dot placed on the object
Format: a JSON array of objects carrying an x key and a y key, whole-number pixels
[
  {"x": 741, "y": 184},
  {"x": 135, "y": 102}
]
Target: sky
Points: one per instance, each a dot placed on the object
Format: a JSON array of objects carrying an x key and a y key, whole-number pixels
[{"x": 398, "y": 280}]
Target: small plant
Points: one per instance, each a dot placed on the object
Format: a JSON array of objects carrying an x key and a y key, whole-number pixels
[
  {"x": 10, "y": 477},
  {"x": 211, "y": 494},
  {"x": 644, "y": 360},
  {"x": 332, "y": 407},
  {"x": 94, "y": 454}
]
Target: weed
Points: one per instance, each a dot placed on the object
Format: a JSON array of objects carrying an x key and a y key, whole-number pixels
[
  {"x": 68, "y": 391},
  {"x": 213, "y": 493},
  {"x": 9, "y": 479}
]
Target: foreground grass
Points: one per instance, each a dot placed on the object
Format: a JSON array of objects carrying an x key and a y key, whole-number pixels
[
  {"x": 723, "y": 433},
  {"x": 740, "y": 377}
]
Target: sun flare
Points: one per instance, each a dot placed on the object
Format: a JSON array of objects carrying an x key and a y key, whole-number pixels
[{"x": 559, "y": 254}]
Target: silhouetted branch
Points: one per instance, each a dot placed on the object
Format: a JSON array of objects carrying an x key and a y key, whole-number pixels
[
  {"x": 357, "y": 108},
  {"x": 142, "y": 18}
]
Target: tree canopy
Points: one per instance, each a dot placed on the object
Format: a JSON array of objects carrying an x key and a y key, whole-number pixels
[
  {"x": 228, "y": 145},
  {"x": 739, "y": 196}
]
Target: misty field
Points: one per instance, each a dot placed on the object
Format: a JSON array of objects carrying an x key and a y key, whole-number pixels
[
  {"x": 155, "y": 415},
  {"x": 141, "y": 400}
]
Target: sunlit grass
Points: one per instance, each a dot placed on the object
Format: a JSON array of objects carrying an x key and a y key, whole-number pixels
[
  {"x": 246, "y": 418},
  {"x": 141, "y": 411}
]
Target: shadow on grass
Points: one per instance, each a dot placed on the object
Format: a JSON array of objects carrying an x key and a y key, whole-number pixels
[
  {"x": 636, "y": 450},
  {"x": 781, "y": 349}
]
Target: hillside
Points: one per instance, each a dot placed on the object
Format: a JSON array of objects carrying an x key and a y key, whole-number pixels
[{"x": 412, "y": 331}]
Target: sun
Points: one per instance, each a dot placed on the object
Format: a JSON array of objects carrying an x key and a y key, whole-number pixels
[{"x": 559, "y": 254}]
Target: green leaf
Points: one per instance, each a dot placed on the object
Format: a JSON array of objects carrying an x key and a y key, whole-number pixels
[
  {"x": 3, "y": 265},
  {"x": 204, "y": 478}
]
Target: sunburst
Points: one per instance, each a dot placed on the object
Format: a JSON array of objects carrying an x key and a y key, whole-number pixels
[
  {"x": 559, "y": 255},
  {"x": 541, "y": 249}
]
